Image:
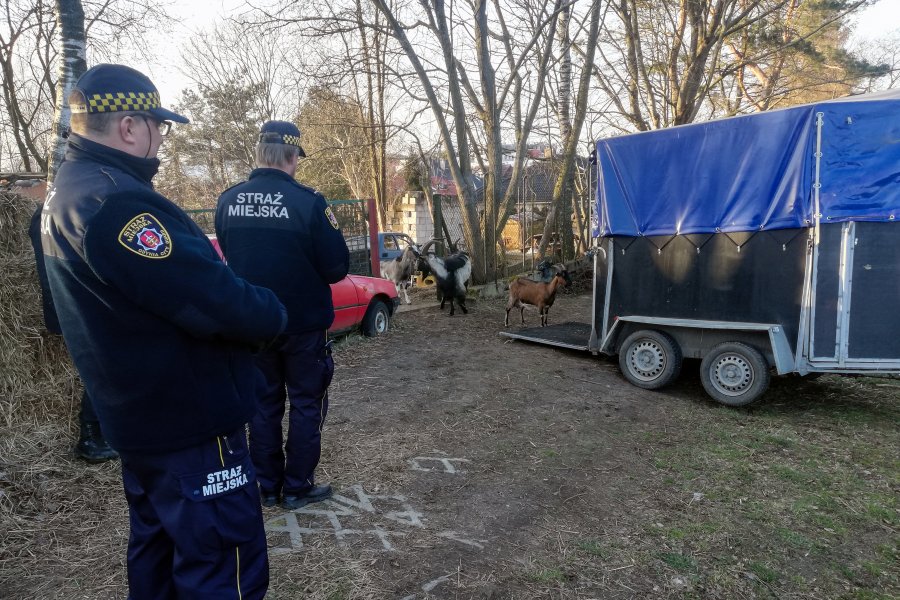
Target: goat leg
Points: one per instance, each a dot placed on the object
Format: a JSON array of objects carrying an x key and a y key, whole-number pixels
[{"x": 462, "y": 305}]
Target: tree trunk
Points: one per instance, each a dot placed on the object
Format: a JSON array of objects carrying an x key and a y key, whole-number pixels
[
  {"x": 562, "y": 190},
  {"x": 72, "y": 65}
]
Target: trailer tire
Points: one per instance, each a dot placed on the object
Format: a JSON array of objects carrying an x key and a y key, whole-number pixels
[
  {"x": 650, "y": 359},
  {"x": 734, "y": 373}
]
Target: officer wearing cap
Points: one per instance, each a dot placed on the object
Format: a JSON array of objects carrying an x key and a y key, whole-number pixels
[
  {"x": 162, "y": 333},
  {"x": 282, "y": 235}
]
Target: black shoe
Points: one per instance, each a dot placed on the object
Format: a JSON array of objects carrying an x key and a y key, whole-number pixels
[
  {"x": 92, "y": 447},
  {"x": 315, "y": 494},
  {"x": 90, "y": 451},
  {"x": 268, "y": 500}
]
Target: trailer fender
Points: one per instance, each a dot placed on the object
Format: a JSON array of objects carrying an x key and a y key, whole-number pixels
[{"x": 778, "y": 343}]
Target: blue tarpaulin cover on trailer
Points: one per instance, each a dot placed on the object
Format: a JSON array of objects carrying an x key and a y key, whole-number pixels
[{"x": 754, "y": 172}]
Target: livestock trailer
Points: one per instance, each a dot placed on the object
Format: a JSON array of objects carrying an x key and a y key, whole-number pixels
[{"x": 758, "y": 243}]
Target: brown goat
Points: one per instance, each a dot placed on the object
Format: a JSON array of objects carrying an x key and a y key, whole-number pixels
[{"x": 524, "y": 292}]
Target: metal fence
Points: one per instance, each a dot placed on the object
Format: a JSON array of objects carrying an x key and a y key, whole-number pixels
[{"x": 353, "y": 216}]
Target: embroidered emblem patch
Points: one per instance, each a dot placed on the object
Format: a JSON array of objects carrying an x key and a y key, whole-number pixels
[
  {"x": 145, "y": 236},
  {"x": 331, "y": 218}
]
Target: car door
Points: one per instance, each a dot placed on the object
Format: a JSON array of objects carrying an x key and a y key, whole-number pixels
[
  {"x": 390, "y": 249},
  {"x": 346, "y": 304}
]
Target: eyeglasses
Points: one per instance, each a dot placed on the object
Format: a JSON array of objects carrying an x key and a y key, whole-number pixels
[{"x": 164, "y": 127}]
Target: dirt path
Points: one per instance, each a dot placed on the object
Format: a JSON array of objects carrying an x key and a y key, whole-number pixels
[
  {"x": 478, "y": 467},
  {"x": 468, "y": 465}
]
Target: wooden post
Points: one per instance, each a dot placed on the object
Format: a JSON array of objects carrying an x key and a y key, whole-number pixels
[{"x": 374, "y": 250}]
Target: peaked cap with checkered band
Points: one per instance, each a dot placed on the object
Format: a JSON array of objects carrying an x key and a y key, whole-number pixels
[
  {"x": 116, "y": 88},
  {"x": 280, "y": 132}
]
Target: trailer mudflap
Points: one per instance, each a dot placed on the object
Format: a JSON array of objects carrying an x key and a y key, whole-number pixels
[{"x": 572, "y": 334}]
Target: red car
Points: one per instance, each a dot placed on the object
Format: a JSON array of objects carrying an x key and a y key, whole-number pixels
[{"x": 359, "y": 301}]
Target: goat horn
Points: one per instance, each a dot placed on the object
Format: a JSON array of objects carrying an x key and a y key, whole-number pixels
[{"x": 428, "y": 245}]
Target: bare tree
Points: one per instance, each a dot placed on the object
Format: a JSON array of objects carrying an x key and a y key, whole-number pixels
[
  {"x": 884, "y": 51},
  {"x": 30, "y": 51},
  {"x": 570, "y": 132},
  {"x": 504, "y": 103},
  {"x": 72, "y": 64},
  {"x": 347, "y": 51},
  {"x": 26, "y": 62},
  {"x": 668, "y": 62},
  {"x": 801, "y": 57}
]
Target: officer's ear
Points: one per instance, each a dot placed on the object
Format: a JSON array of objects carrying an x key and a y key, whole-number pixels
[{"x": 127, "y": 130}]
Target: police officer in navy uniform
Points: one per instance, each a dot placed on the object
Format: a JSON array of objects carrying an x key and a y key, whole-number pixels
[
  {"x": 162, "y": 333},
  {"x": 282, "y": 235},
  {"x": 92, "y": 446}
]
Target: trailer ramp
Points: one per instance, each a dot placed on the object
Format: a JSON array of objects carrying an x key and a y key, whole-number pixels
[{"x": 571, "y": 335}]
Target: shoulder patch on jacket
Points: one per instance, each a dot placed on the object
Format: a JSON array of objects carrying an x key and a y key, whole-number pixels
[
  {"x": 331, "y": 218},
  {"x": 145, "y": 236}
]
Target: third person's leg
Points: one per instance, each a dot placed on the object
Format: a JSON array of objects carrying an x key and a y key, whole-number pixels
[{"x": 308, "y": 372}]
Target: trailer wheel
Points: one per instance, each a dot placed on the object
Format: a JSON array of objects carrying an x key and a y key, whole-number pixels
[
  {"x": 734, "y": 374},
  {"x": 650, "y": 359}
]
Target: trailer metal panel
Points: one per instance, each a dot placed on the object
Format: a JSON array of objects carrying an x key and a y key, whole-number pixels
[{"x": 572, "y": 335}]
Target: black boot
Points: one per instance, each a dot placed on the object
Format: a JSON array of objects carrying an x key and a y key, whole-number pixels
[{"x": 91, "y": 446}]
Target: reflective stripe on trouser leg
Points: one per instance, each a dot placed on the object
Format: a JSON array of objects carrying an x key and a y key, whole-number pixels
[
  {"x": 308, "y": 372},
  {"x": 214, "y": 530}
]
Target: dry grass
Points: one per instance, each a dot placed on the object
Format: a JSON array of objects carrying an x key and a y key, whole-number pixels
[
  {"x": 64, "y": 523},
  {"x": 41, "y": 493}
]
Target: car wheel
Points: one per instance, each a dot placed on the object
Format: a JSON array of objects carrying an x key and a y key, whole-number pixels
[
  {"x": 734, "y": 374},
  {"x": 650, "y": 359},
  {"x": 377, "y": 320}
]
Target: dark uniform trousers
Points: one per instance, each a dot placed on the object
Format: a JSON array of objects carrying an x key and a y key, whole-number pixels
[
  {"x": 298, "y": 367},
  {"x": 196, "y": 523}
]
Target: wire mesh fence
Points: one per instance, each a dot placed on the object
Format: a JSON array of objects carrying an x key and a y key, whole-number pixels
[{"x": 353, "y": 215}]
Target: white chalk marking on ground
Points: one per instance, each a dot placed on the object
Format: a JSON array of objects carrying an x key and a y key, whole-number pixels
[
  {"x": 452, "y": 535},
  {"x": 349, "y": 509},
  {"x": 416, "y": 464},
  {"x": 430, "y": 586}
]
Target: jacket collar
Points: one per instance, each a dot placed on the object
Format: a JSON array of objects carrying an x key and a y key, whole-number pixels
[
  {"x": 269, "y": 172},
  {"x": 81, "y": 148}
]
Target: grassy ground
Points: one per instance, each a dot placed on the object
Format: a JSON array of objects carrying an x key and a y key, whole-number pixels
[{"x": 795, "y": 498}]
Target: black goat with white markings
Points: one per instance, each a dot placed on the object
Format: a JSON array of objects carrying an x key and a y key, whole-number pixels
[
  {"x": 400, "y": 270},
  {"x": 452, "y": 274}
]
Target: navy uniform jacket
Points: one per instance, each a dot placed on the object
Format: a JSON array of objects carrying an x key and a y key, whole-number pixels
[
  {"x": 282, "y": 235},
  {"x": 158, "y": 327},
  {"x": 51, "y": 323}
]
